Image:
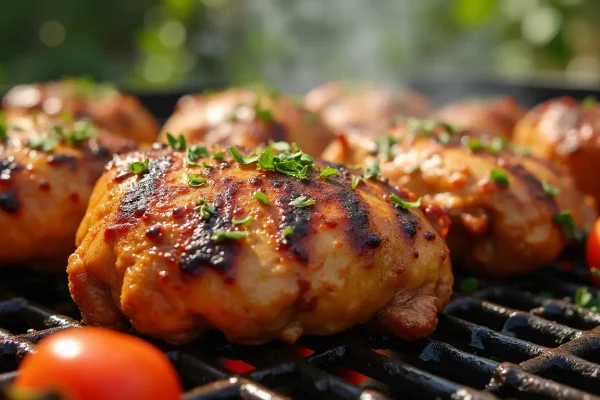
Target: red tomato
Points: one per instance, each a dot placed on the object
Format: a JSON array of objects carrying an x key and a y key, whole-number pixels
[
  {"x": 592, "y": 251},
  {"x": 98, "y": 364}
]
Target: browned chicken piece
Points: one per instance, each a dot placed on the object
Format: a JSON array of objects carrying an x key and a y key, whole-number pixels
[
  {"x": 107, "y": 108},
  {"x": 496, "y": 116},
  {"x": 47, "y": 173},
  {"x": 364, "y": 106},
  {"x": 259, "y": 254},
  {"x": 565, "y": 132},
  {"x": 510, "y": 213},
  {"x": 247, "y": 117}
]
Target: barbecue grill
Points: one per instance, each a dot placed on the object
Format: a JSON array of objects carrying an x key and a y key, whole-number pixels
[{"x": 519, "y": 338}]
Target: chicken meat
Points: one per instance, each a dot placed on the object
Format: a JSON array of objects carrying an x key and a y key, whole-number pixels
[{"x": 265, "y": 247}]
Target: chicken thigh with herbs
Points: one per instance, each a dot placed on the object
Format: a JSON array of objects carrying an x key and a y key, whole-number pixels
[
  {"x": 510, "y": 213},
  {"x": 47, "y": 173},
  {"x": 247, "y": 117},
  {"x": 566, "y": 133},
  {"x": 271, "y": 246},
  {"x": 367, "y": 107},
  {"x": 102, "y": 104},
  {"x": 496, "y": 116}
]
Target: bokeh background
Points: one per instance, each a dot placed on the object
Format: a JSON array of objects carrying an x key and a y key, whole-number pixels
[{"x": 158, "y": 45}]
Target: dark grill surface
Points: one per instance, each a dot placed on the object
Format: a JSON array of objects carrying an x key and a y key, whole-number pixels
[{"x": 507, "y": 340}]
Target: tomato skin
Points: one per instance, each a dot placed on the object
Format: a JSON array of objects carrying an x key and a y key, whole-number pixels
[
  {"x": 592, "y": 252},
  {"x": 98, "y": 364}
]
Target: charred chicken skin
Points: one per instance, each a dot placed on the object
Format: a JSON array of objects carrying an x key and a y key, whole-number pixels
[
  {"x": 258, "y": 253},
  {"x": 510, "y": 213},
  {"x": 47, "y": 173},
  {"x": 103, "y": 105},
  {"x": 565, "y": 132},
  {"x": 247, "y": 117},
  {"x": 496, "y": 116},
  {"x": 363, "y": 106}
]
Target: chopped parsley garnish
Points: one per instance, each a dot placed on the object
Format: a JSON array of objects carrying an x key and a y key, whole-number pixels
[
  {"x": 385, "y": 146},
  {"x": 549, "y": 189},
  {"x": 242, "y": 221},
  {"x": 355, "y": 167},
  {"x": 204, "y": 208},
  {"x": 448, "y": 128},
  {"x": 260, "y": 196},
  {"x": 399, "y": 203},
  {"x": 288, "y": 231},
  {"x": 206, "y": 165},
  {"x": 327, "y": 172},
  {"x": 280, "y": 146},
  {"x": 219, "y": 236},
  {"x": 355, "y": 181},
  {"x": 193, "y": 153},
  {"x": 177, "y": 143},
  {"x": 497, "y": 145},
  {"x": 3, "y": 131},
  {"x": 196, "y": 180},
  {"x": 139, "y": 167},
  {"x": 302, "y": 201},
  {"x": 475, "y": 144},
  {"x": 262, "y": 114},
  {"x": 499, "y": 176},
  {"x": 420, "y": 126},
  {"x": 266, "y": 160},
  {"x": 595, "y": 272},
  {"x": 589, "y": 102},
  {"x": 468, "y": 285},
  {"x": 243, "y": 160},
  {"x": 219, "y": 156},
  {"x": 567, "y": 224},
  {"x": 82, "y": 130},
  {"x": 46, "y": 144},
  {"x": 373, "y": 171},
  {"x": 582, "y": 297}
]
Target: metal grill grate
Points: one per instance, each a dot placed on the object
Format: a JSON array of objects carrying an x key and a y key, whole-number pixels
[{"x": 504, "y": 341}]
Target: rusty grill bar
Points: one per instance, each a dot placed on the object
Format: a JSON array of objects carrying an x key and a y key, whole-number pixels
[{"x": 503, "y": 341}]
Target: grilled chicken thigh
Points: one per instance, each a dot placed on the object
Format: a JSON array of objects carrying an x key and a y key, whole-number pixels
[
  {"x": 259, "y": 254},
  {"x": 247, "y": 117},
  {"x": 47, "y": 173},
  {"x": 565, "y": 132},
  {"x": 511, "y": 214},
  {"x": 497, "y": 116},
  {"x": 368, "y": 107},
  {"x": 104, "y": 106}
]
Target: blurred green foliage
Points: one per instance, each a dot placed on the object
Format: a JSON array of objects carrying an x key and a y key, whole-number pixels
[{"x": 160, "y": 44}]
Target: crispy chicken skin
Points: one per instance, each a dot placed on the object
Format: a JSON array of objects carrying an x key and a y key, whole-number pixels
[
  {"x": 365, "y": 106},
  {"x": 566, "y": 133},
  {"x": 247, "y": 117},
  {"x": 496, "y": 116},
  {"x": 496, "y": 230},
  {"x": 44, "y": 194},
  {"x": 107, "y": 108},
  {"x": 146, "y": 255}
]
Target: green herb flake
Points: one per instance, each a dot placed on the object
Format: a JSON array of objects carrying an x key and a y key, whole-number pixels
[
  {"x": 280, "y": 146},
  {"x": 373, "y": 171},
  {"x": 420, "y": 127},
  {"x": 288, "y": 231},
  {"x": 444, "y": 138},
  {"x": 399, "y": 203},
  {"x": 589, "y": 102},
  {"x": 220, "y": 236},
  {"x": 177, "y": 143},
  {"x": 266, "y": 160},
  {"x": 196, "y": 180},
  {"x": 355, "y": 167},
  {"x": 468, "y": 285},
  {"x": 595, "y": 272},
  {"x": 549, "y": 189},
  {"x": 243, "y": 160},
  {"x": 242, "y": 221},
  {"x": 193, "y": 153},
  {"x": 204, "y": 208},
  {"x": 302, "y": 201},
  {"x": 499, "y": 176},
  {"x": 3, "y": 132},
  {"x": 260, "y": 196},
  {"x": 219, "y": 156},
  {"x": 355, "y": 181},
  {"x": 497, "y": 145},
  {"x": 327, "y": 172},
  {"x": 385, "y": 146},
  {"x": 582, "y": 297},
  {"x": 139, "y": 167},
  {"x": 567, "y": 224},
  {"x": 520, "y": 150},
  {"x": 262, "y": 114},
  {"x": 475, "y": 144}
]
